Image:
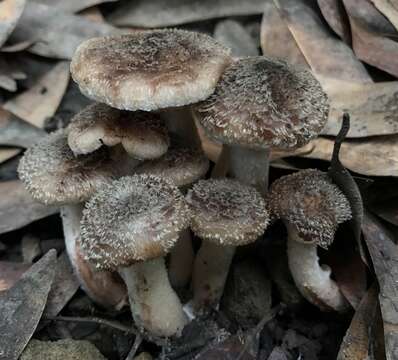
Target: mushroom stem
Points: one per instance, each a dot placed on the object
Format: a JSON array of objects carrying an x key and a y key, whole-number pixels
[
  {"x": 250, "y": 166},
  {"x": 104, "y": 287},
  {"x": 312, "y": 279},
  {"x": 154, "y": 304},
  {"x": 181, "y": 260},
  {"x": 210, "y": 273},
  {"x": 180, "y": 122}
]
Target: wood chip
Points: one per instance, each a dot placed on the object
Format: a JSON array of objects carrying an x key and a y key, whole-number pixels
[
  {"x": 157, "y": 13},
  {"x": 10, "y": 273},
  {"x": 17, "y": 208},
  {"x": 384, "y": 253},
  {"x": 56, "y": 34},
  {"x": 41, "y": 101},
  {"x": 10, "y": 12},
  {"x": 72, "y": 6},
  {"x": 22, "y": 306}
]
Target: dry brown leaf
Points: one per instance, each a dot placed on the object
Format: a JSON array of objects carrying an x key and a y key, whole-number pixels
[
  {"x": 17, "y": 132},
  {"x": 9, "y": 74},
  {"x": 7, "y": 153},
  {"x": 334, "y": 13},
  {"x": 20, "y": 46},
  {"x": 384, "y": 253},
  {"x": 41, "y": 101},
  {"x": 389, "y": 8},
  {"x": 10, "y": 12},
  {"x": 377, "y": 156},
  {"x": 72, "y": 6},
  {"x": 17, "y": 208},
  {"x": 331, "y": 60},
  {"x": 276, "y": 39},
  {"x": 158, "y": 13},
  {"x": 356, "y": 342},
  {"x": 373, "y": 109},
  {"x": 56, "y": 34},
  {"x": 387, "y": 210},
  {"x": 10, "y": 273},
  {"x": 93, "y": 14}
]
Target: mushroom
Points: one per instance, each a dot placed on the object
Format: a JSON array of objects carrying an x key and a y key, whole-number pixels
[
  {"x": 142, "y": 134},
  {"x": 183, "y": 166},
  {"x": 261, "y": 104},
  {"x": 54, "y": 176},
  {"x": 151, "y": 70},
  {"x": 129, "y": 226},
  {"x": 312, "y": 207},
  {"x": 225, "y": 214}
]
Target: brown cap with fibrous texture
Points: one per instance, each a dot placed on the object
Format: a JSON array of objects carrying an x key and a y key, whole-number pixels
[
  {"x": 135, "y": 218},
  {"x": 53, "y": 175},
  {"x": 149, "y": 70},
  {"x": 181, "y": 165},
  {"x": 311, "y": 202},
  {"x": 142, "y": 134},
  {"x": 227, "y": 212},
  {"x": 261, "y": 103}
]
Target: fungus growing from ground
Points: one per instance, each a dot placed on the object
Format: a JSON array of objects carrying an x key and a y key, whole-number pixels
[{"x": 311, "y": 207}]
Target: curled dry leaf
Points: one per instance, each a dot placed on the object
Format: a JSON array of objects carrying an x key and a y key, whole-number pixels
[
  {"x": 41, "y": 101},
  {"x": 389, "y": 9},
  {"x": 17, "y": 208},
  {"x": 17, "y": 132},
  {"x": 72, "y": 6},
  {"x": 10, "y": 273},
  {"x": 383, "y": 251},
  {"x": 158, "y": 13},
  {"x": 22, "y": 306},
  {"x": 56, "y": 34},
  {"x": 10, "y": 12}
]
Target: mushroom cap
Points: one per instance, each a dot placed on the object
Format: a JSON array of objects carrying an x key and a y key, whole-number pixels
[
  {"x": 312, "y": 203},
  {"x": 135, "y": 218},
  {"x": 142, "y": 134},
  {"x": 261, "y": 103},
  {"x": 149, "y": 70},
  {"x": 53, "y": 175},
  {"x": 181, "y": 165},
  {"x": 227, "y": 212}
]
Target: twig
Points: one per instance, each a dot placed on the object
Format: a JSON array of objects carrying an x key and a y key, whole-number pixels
[
  {"x": 134, "y": 348},
  {"x": 345, "y": 127}
]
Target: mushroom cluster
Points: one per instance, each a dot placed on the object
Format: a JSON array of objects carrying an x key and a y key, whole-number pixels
[{"x": 129, "y": 172}]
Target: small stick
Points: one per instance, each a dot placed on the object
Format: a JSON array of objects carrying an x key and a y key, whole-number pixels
[{"x": 134, "y": 348}]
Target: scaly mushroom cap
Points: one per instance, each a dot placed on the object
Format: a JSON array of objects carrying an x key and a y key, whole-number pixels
[
  {"x": 53, "y": 175},
  {"x": 227, "y": 212},
  {"x": 261, "y": 103},
  {"x": 133, "y": 219},
  {"x": 311, "y": 202},
  {"x": 142, "y": 134},
  {"x": 181, "y": 165},
  {"x": 149, "y": 70}
]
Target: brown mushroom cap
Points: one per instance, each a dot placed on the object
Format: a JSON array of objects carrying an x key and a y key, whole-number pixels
[
  {"x": 181, "y": 165},
  {"x": 149, "y": 70},
  {"x": 261, "y": 103},
  {"x": 135, "y": 218},
  {"x": 226, "y": 212},
  {"x": 53, "y": 175},
  {"x": 311, "y": 202},
  {"x": 142, "y": 134}
]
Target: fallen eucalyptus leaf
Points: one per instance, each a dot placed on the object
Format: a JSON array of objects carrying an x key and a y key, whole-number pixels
[
  {"x": 22, "y": 306},
  {"x": 389, "y": 9},
  {"x": 72, "y": 6},
  {"x": 8, "y": 153},
  {"x": 276, "y": 39},
  {"x": 41, "y": 101},
  {"x": 56, "y": 34},
  {"x": 383, "y": 251},
  {"x": 17, "y": 132},
  {"x": 10, "y": 273},
  {"x": 17, "y": 208},
  {"x": 20, "y": 46},
  {"x": 158, "y": 13},
  {"x": 233, "y": 35},
  {"x": 10, "y": 12}
]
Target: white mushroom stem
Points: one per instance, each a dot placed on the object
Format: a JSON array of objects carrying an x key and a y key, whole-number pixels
[
  {"x": 249, "y": 166},
  {"x": 181, "y": 260},
  {"x": 154, "y": 304},
  {"x": 101, "y": 286},
  {"x": 210, "y": 273},
  {"x": 312, "y": 279}
]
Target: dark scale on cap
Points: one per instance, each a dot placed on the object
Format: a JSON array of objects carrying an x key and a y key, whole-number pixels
[
  {"x": 227, "y": 212},
  {"x": 312, "y": 203},
  {"x": 133, "y": 219},
  {"x": 54, "y": 175},
  {"x": 142, "y": 134},
  {"x": 261, "y": 103},
  {"x": 147, "y": 70}
]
